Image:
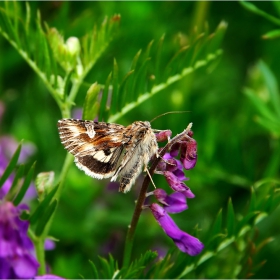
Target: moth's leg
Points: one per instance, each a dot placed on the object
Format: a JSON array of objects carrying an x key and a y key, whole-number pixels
[
  {"x": 146, "y": 170},
  {"x": 166, "y": 161}
]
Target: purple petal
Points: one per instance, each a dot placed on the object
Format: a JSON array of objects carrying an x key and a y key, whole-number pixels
[
  {"x": 174, "y": 203},
  {"x": 177, "y": 185},
  {"x": 48, "y": 276},
  {"x": 180, "y": 175},
  {"x": 15, "y": 245},
  {"x": 167, "y": 156},
  {"x": 25, "y": 266},
  {"x": 49, "y": 244},
  {"x": 188, "y": 163},
  {"x": 163, "y": 135},
  {"x": 77, "y": 113},
  {"x": 185, "y": 242},
  {"x": 189, "y": 244},
  {"x": 174, "y": 151},
  {"x": 189, "y": 154},
  {"x": 6, "y": 271}
]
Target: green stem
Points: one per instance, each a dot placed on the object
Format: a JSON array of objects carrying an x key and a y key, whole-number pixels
[
  {"x": 40, "y": 252},
  {"x": 142, "y": 195}
]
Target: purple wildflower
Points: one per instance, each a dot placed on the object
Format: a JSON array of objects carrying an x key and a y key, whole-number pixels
[
  {"x": 189, "y": 154},
  {"x": 177, "y": 185},
  {"x": 174, "y": 203},
  {"x": 163, "y": 135},
  {"x": 185, "y": 242},
  {"x": 16, "y": 248},
  {"x": 48, "y": 276}
]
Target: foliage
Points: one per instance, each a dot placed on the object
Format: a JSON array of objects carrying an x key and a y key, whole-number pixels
[{"x": 96, "y": 68}]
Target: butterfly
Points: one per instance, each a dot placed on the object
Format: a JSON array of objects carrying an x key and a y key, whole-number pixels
[{"x": 103, "y": 150}]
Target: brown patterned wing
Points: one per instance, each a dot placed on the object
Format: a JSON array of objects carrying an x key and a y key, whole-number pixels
[{"x": 96, "y": 146}]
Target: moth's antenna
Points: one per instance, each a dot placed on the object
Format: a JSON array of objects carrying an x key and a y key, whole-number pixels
[{"x": 171, "y": 112}]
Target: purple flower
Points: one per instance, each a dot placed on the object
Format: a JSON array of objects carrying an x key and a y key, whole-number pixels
[
  {"x": 185, "y": 242},
  {"x": 163, "y": 135},
  {"x": 188, "y": 154},
  {"x": 48, "y": 276},
  {"x": 177, "y": 185},
  {"x": 16, "y": 248},
  {"x": 174, "y": 203}
]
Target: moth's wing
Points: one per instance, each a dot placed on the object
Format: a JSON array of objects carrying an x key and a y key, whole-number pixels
[{"x": 97, "y": 146}]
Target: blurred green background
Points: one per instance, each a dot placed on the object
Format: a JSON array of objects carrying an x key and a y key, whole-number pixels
[{"x": 234, "y": 151}]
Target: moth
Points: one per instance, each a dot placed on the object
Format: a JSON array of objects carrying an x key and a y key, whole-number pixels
[{"x": 103, "y": 150}]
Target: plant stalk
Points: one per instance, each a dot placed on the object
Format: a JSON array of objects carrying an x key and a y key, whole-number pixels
[{"x": 142, "y": 196}]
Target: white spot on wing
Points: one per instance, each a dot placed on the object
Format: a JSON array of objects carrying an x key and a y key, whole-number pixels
[
  {"x": 90, "y": 130},
  {"x": 100, "y": 156}
]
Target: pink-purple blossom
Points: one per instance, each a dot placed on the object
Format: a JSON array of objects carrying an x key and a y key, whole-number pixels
[
  {"x": 188, "y": 155},
  {"x": 173, "y": 203},
  {"x": 177, "y": 185},
  {"x": 16, "y": 249},
  {"x": 185, "y": 242}
]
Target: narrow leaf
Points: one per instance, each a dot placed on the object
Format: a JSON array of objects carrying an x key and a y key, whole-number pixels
[
  {"x": 158, "y": 69},
  {"x": 45, "y": 218},
  {"x": 254, "y": 9},
  {"x": 273, "y": 34},
  {"x": 15, "y": 185},
  {"x": 91, "y": 105},
  {"x": 9, "y": 169},
  {"x": 105, "y": 100},
  {"x": 259, "y": 104},
  {"x": 94, "y": 270},
  {"x": 106, "y": 268},
  {"x": 25, "y": 185},
  {"x": 115, "y": 94},
  {"x": 271, "y": 83},
  {"x": 122, "y": 92},
  {"x": 230, "y": 222},
  {"x": 38, "y": 213}
]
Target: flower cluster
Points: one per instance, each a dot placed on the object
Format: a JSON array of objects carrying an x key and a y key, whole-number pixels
[
  {"x": 16, "y": 248},
  {"x": 17, "y": 254},
  {"x": 172, "y": 169}
]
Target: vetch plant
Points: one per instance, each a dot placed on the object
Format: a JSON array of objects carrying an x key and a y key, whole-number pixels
[
  {"x": 62, "y": 65},
  {"x": 174, "y": 203}
]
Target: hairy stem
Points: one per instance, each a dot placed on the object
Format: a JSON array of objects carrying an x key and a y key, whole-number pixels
[{"x": 142, "y": 196}]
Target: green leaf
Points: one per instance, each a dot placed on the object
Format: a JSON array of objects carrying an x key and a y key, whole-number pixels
[
  {"x": 272, "y": 86},
  {"x": 15, "y": 185},
  {"x": 94, "y": 270},
  {"x": 230, "y": 219},
  {"x": 137, "y": 266},
  {"x": 107, "y": 270},
  {"x": 254, "y": 9},
  {"x": 143, "y": 84},
  {"x": 205, "y": 256},
  {"x": 259, "y": 104},
  {"x": 115, "y": 94},
  {"x": 40, "y": 210},
  {"x": 91, "y": 104},
  {"x": 45, "y": 218},
  {"x": 215, "y": 232},
  {"x": 273, "y": 34},
  {"x": 104, "y": 100},
  {"x": 122, "y": 89},
  {"x": 12, "y": 164},
  {"x": 25, "y": 185}
]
